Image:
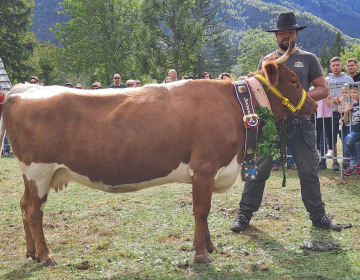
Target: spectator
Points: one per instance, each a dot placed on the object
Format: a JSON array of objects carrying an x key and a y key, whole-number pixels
[
  {"x": 34, "y": 80},
  {"x": 206, "y": 75},
  {"x": 69, "y": 85},
  {"x": 117, "y": 82},
  {"x": 96, "y": 85},
  {"x": 226, "y": 76},
  {"x": 137, "y": 83},
  {"x": 167, "y": 80},
  {"x": 335, "y": 78},
  {"x": 130, "y": 83},
  {"x": 6, "y": 139},
  {"x": 173, "y": 75},
  {"x": 324, "y": 124},
  {"x": 78, "y": 86},
  {"x": 354, "y": 136},
  {"x": 351, "y": 68}
]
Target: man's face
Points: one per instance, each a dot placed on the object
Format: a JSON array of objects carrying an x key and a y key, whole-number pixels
[
  {"x": 33, "y": 81},
  {"x": 283, "y": 37},
  {"x": 351, "y": 68},
  {"x": 336, "y": 67},
  {"x": 117, "y": 79},
  {"x": 172, "y": 74}
]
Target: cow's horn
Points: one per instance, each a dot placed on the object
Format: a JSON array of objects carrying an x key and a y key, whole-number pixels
[{"x": 286, "y": 55}]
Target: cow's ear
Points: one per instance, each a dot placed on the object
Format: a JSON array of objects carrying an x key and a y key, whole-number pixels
[{"x": 272, "y": 72}]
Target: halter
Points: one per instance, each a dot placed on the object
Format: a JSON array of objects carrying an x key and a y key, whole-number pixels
[{"x": 284, "y": 100}]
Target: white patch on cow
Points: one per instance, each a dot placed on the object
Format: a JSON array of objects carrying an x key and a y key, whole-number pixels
[
  {"x": 226, "y": 176},
  {"x": 41, "y": 173},
  {"x": 169, "y": 86},
  {"x": 47, "y": 176},
  {"x": 23, "y": 215}
]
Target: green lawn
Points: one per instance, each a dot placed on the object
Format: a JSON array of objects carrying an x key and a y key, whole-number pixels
[{"x": 148, "y": 234}]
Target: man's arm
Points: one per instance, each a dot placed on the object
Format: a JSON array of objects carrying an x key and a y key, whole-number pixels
[{"x": 321, "y": 89}]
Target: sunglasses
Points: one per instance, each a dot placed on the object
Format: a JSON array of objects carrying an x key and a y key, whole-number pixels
[
  {"x": 33, "y": 82},
  {"x": 138, "y": 83},
  {"x": 130, "y": 85},
  {"x": 116, "y": 78},
  {"x": 78, "y": 87}
]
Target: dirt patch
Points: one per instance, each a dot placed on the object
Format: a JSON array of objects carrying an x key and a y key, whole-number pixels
[{"x": 320, "y": 246}]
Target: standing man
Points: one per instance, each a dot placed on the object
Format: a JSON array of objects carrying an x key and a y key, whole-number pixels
[
  {"x": 351, "y": 68},
  {"x": 173, "y": 75},
  {"x": 336, "y": 78},
  {"x": 301, "y": 142},
  {"x": 117, "y": 82}
]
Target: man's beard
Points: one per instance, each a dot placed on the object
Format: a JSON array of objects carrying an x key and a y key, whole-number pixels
[{"x": 284, "y": 47}]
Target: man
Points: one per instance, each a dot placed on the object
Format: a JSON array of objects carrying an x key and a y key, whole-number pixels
[
  {"x": 173, "y": 75},
  {"x": 34, "y": 80},
  {"x": 336, "y": 78},
  {"x": 117, "y": 82},
  {"x": 302, "y": 134},
  {"x": 137, "y": 83},
  {"x": 69, "y": 85},
  {"x": 351, "y": 68}
]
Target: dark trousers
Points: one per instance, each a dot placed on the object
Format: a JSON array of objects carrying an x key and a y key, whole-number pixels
[{"x": 303, "y": 148}]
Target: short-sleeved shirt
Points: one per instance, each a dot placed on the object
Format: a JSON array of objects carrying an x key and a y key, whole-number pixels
[
  {"x": 119, "y": 86},
  {"x": 305, "y": 65},
  {"x": 355, "y": 119}
]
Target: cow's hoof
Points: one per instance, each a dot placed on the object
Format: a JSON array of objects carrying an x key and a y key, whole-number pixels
[
  {"x": 213, "y": 248},
  {"x": 204, "y": 258},
  {"x": 49, "y": 263}
]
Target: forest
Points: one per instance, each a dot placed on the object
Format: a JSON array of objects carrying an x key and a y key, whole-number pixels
[{"x": 90, "y": 40}]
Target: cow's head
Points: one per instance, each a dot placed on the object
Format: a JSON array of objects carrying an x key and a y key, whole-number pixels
[{"x": 289, "y": 91}]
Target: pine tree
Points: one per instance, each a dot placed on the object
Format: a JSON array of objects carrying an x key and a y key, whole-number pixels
[
  {"x": 324, "y": 58},
  {"x": 216, "y": 55},
  {"x": 337, "y": 46},
  {"x": 16, "y": 41}
]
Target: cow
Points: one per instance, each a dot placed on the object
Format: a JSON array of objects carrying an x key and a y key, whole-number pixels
[{"x": 125, "y": 140}]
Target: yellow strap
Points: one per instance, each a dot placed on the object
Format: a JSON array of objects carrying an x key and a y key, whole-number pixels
[{"x": 284, "y": 100}]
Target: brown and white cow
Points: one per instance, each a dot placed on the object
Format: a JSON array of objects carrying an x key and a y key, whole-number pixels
[{"x": 124, "y": 140}]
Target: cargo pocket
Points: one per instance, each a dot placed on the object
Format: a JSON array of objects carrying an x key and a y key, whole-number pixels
[{"x": 308, "y": 130}]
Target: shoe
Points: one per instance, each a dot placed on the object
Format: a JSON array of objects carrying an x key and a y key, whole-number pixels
[
  {"x": 6, "y": 154},
  {"x": 345, "y": 166},
  {"x": 353, "y": 161},
  {"x": 349, "y": 172},
  {"x": 335, "y": 166},
  {"x": 358, "y": 171},
  {"x": 357, "y": 166},
  {"x": 241, "y": 222},
  {"x": 292, "y": 167},
  {"x": 322, "y": 166},
  {"x": 275, "y": 168},
  {"x": 329, "y": 154},
  {"x": 326, "y": 223}
]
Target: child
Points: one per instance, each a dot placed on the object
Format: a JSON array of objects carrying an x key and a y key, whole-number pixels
[{"x": 354, "y": 135}]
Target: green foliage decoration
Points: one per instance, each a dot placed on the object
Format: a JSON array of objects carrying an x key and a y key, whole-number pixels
[{"x": 268, "y": 137}]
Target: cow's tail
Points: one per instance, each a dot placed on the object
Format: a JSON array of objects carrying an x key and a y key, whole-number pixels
[{"x": 2, "y": 134}]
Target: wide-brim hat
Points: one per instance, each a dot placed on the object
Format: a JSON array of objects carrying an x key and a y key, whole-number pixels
[{"x": 287, "y": 21}]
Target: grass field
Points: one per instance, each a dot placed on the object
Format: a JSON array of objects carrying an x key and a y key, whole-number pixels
[{"x": 148, "y": 234}]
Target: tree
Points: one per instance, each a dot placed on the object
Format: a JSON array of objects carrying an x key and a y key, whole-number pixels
[
  {"x": 100, "y": 38},
  {"x": 324, "y": 57},
  {"x": 177, "y": 35},
  {"x": 216, "y": 54},
  {"x": 16, "y": 41},
  {"x": 253, "y": 43},
  {"x": 337, "y": 46}
]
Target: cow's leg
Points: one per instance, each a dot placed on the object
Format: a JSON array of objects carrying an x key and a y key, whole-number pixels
[
  {"x": 32, "y": 211},
  {"x": 202, "y": 192}
]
